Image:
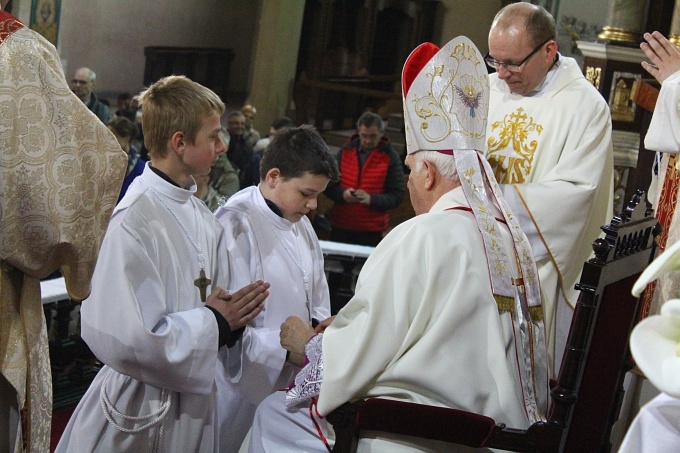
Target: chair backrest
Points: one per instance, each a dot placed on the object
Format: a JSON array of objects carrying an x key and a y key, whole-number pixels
[{"x": 587, "y": 399}]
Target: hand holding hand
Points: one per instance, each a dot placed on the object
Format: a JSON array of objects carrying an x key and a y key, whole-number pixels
[
  {"x": 297, "y": 359},
  {"x": 323, "y": 324},
  {"x": 242, "y": 306},
  {"x": 295, "y": 333},
  {"x": 363, "y": 196},
  {"x": 664, "y": 56}
]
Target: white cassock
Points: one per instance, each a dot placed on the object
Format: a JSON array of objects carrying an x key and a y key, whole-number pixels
[
  {"x": 663, "y": 135},
  {"x": 145, "y": 320},
  {"x": 263, "y": 245},
  {"x": 423, "y": 326},
  {"x": 552, "y": 154}
]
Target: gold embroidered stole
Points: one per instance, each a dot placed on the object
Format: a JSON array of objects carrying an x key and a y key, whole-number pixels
[{"x": 664, "y": 213}]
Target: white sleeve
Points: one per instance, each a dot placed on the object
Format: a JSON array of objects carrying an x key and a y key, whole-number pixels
[{"x": 664, "y": 130}]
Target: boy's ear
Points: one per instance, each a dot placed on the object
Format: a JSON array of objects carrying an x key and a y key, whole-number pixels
[
  {"x": 177, "y": 142},
  {"x": 273, "y": 176}
]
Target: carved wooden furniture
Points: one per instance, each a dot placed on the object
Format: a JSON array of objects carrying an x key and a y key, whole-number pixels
[
  {"x": 208, "y": 66},
  {"x": 587, "y": 398}
]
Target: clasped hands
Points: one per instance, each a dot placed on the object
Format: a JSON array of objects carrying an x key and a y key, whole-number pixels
[
  {"x": 296, "y": 333},
  {"x": 352, "y": 196},
  {"x": 242, "y": 306}
]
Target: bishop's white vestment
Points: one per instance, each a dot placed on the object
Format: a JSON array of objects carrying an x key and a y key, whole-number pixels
[
  {"x": 423, "y": 326},
  {"x": 263, "y": 245},
  {"x": 551, "y": 151},
  {"x": 146, "y": 322}
]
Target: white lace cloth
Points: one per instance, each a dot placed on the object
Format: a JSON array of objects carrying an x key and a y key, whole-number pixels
[{"x": 307, "y": 384}]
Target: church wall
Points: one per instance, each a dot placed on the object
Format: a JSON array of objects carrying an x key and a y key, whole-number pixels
[
  {"x": 109, "y": 36},
  {"x": 471, "y": 18}
]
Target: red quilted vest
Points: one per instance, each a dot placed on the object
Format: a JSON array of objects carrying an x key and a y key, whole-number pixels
[{"x": 371, "y": 178}]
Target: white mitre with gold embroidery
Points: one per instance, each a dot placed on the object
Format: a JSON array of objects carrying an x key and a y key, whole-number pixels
[{"x": 446, "y": 102}]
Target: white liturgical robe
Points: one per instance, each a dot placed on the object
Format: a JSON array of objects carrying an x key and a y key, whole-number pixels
[
  {"x": 552, "y": 154},
  {"x": 423, "y": 326},
  {"x": 146, "y": 322},
  {"x": 664, "y": 135},
  {"x": 263, "y": 245}
]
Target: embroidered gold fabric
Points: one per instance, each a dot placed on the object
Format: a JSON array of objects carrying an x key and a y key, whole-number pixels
[
  {"x": 512, "y": 146},
  {"x": 60, "y": 175}
]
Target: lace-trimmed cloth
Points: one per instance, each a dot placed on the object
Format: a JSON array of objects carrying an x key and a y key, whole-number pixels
[{"x": 307, "y": 384}]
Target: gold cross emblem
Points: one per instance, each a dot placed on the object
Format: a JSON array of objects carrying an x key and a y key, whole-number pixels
[{"x": 202, "y": 283}]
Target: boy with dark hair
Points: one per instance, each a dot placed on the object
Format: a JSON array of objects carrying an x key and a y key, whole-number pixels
[
  {"x": 269, "y": 237},
  {"x": 151, "y": 318}
]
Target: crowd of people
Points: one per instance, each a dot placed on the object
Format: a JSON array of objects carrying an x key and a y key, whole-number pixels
[{"x": 209, "y": 294}]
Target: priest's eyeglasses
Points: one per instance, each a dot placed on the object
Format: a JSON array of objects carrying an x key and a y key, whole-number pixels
[{"x": 513, "y": 67}]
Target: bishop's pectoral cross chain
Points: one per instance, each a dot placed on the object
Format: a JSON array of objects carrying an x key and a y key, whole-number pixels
[{"x": 202, "y": 283}]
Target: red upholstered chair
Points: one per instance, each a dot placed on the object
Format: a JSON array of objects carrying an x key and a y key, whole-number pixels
[{"x": 587, "y": 398}]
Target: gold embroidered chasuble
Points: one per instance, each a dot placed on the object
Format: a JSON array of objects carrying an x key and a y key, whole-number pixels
[
  {"x": 552, "y": 154},
  {"x": 60, "y": 175}
]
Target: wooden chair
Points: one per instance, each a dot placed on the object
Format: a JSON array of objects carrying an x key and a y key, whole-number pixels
[{"x": 587, "y": 398}]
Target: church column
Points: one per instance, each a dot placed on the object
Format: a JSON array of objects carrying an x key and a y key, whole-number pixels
[
  {"x": 275, "y": 53},
  {"x": 625, "y": 21}
]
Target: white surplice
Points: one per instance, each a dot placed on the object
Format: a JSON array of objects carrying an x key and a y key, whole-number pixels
[
  {"x": 146, "y": 322},
  {"x": 423, "y": 326},
  {"x": 551, "y": 151},
  {"x": 663, "y": 135},
  {"x": 263, "y": 245}
]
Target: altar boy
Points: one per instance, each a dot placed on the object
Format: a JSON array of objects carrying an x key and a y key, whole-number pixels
[
  {"x": 158, "y": 313},
  {"x": 269, "y": 237}
]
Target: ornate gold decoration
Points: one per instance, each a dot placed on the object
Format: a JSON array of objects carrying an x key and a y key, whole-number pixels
[
  {"x": 593, "y": 76},
  {"x": 675, "y": 40},
  {"x": 616, "y": 34},
  {"x": 436, "y": 107},
  {"x": 511, "y": 153}
]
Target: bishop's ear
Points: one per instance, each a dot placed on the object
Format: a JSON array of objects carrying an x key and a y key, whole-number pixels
[{"x": 430, "y": 174}]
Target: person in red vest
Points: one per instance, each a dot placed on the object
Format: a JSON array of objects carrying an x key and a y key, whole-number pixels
[{"x": 371, "y": 183}]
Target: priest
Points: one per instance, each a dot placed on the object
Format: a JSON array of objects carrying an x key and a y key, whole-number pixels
[
  {"x": 549, "y": 144},
  {"x": 443, "y": 304},
  {"x": 663, "y": 136},
  {"x": 60, "y": 175}
]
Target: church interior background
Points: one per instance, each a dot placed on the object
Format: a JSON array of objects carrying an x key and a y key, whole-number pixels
[{"x": 322, "y": 62}]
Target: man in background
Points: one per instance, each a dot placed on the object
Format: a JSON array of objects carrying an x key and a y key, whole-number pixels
[
  {"x": 549, "y": 144},
  {"x": 371, "y": 183},
  {"x": 82, "y": 84}
]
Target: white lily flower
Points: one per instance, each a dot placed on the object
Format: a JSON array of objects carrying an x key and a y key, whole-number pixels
[
  {"x": 667, "y": 262},
  {"x": 655, "y": 345}
]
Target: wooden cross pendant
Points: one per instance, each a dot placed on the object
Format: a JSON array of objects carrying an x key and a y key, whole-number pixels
[{"x": 202, "y": 284}]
